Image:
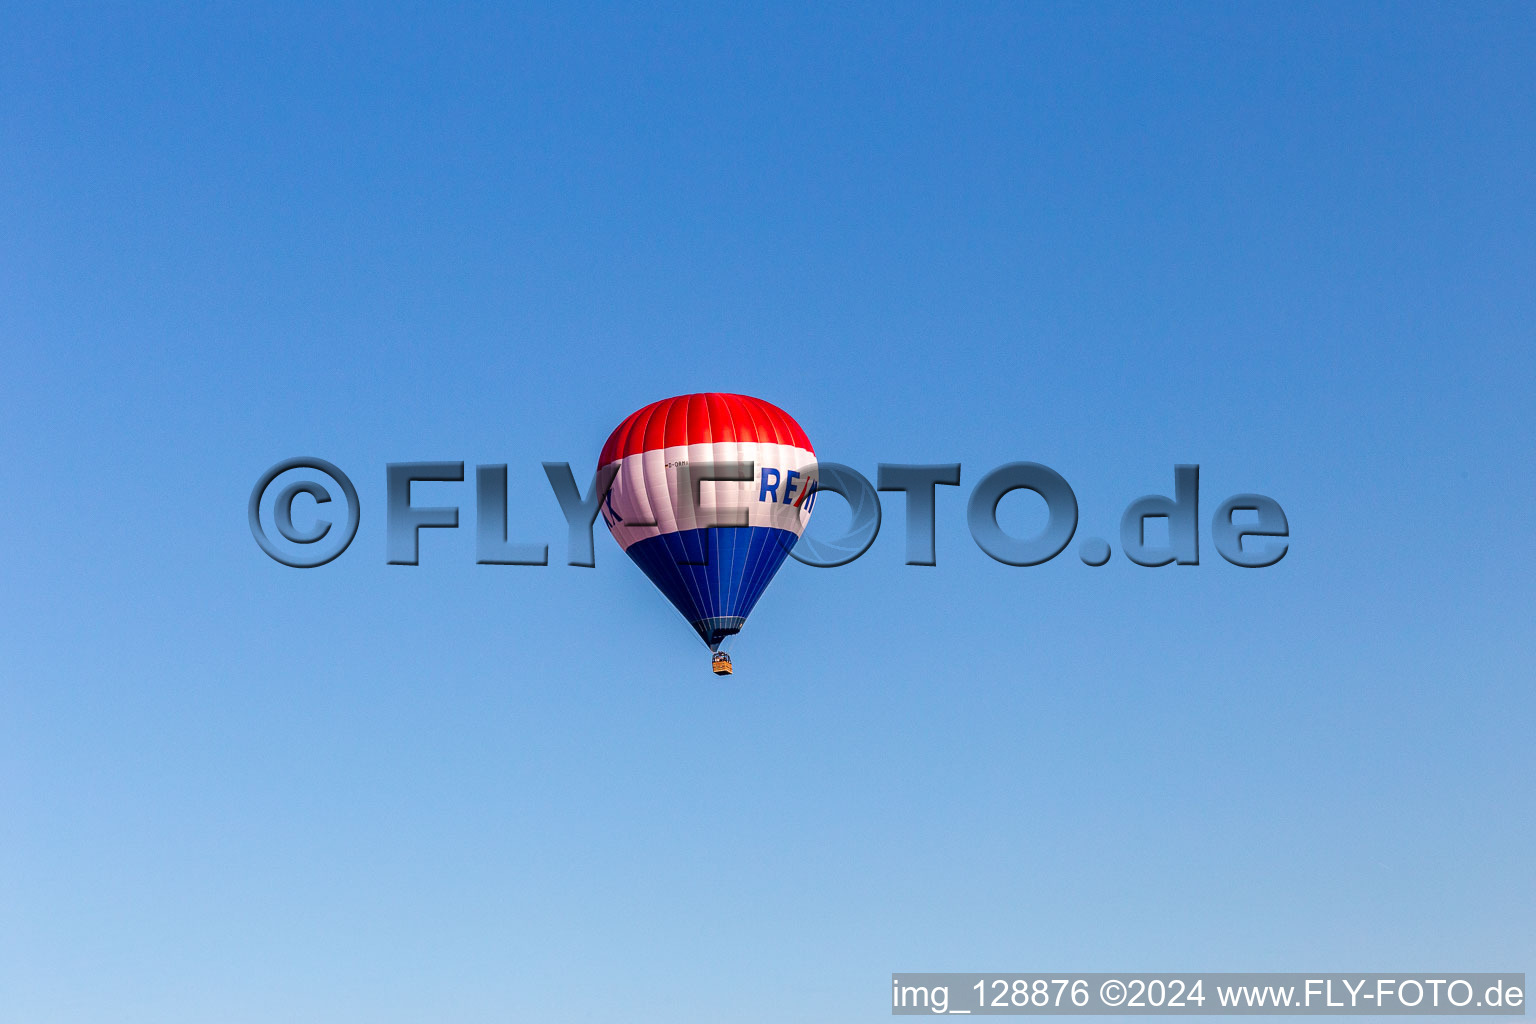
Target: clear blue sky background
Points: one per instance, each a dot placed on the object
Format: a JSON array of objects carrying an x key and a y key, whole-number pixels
[{"x": 1293, "y": 244}]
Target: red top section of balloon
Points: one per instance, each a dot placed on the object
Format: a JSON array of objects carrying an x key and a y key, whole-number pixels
[{"x": 702, "y": 419}]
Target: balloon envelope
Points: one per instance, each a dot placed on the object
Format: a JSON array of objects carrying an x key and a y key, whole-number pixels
[{"x": 669, "y": 514}]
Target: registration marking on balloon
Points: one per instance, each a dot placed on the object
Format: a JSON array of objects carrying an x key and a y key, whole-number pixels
[{"x": 709, "y": 493}]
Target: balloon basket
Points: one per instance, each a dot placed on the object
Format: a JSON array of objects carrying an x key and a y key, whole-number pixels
[{"x": 721, "y": 664}]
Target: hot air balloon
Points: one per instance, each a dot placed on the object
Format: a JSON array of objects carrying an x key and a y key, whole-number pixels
[{"x": 709, "y": 493}]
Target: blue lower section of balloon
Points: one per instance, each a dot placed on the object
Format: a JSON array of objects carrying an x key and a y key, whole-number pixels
[{"x": 714, "y": 576}]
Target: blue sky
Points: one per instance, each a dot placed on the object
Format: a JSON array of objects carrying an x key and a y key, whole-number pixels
[{"x": 1291, "y": 243}]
